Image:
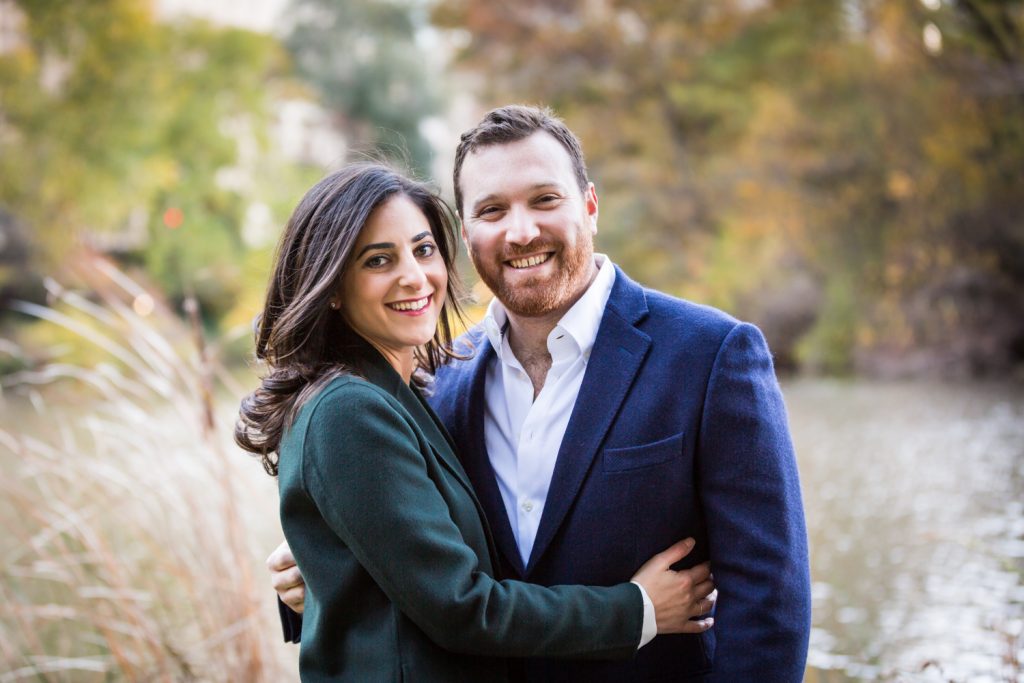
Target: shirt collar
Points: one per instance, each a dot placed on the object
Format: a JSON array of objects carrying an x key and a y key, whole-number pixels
[{"x": 581, "y": 322}]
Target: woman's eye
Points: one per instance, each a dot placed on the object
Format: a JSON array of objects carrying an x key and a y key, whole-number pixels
[
  {"x": 425, "y": 250},
  {"x": 376, "y": 261}
]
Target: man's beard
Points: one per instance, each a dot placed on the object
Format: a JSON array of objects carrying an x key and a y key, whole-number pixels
[{"x": 538, "y": 296}]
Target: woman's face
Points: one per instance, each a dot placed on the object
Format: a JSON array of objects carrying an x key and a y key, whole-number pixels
[{"x": 393, "y": 288}]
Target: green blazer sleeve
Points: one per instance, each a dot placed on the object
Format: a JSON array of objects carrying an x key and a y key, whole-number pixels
[{"x": 364, "y": 469}]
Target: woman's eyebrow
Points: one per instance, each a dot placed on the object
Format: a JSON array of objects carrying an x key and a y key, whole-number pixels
[
  {"x": 390, "y": 245},
  {"x": 375, "y": 245}
]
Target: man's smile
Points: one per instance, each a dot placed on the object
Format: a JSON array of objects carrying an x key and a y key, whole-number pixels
[{"x": 529, "y": 261}]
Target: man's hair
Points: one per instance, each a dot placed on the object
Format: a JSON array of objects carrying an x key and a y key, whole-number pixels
[{"x": 513, "y": 123}]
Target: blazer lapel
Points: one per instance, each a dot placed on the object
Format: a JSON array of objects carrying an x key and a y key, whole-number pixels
[
  {"x": 380, "y": 372},
  {"x": 619, "y": 351},
  {"x": 473, "y": 453},
  {"x": 435, "y": 432}
]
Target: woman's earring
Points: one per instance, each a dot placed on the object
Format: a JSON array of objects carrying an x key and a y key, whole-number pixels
[{"x": 335, "y": 305}]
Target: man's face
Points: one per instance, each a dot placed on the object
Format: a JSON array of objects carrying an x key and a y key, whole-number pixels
[{"x": 528, "y": 227}]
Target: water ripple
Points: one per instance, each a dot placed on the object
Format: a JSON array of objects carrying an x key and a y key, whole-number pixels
[{"x": 913, "y": 495}]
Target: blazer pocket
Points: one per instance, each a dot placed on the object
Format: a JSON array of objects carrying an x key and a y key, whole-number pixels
[{"x": 646, "y": 455}]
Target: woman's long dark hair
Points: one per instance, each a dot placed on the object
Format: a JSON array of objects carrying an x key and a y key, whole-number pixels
[{"x": 305, "y": 343}]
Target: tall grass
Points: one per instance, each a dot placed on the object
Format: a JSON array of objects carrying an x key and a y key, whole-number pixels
[{"x": 132, "y": 528}]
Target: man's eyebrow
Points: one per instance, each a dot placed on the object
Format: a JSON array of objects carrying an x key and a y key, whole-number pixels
[
  {"x": 554, "y": 184},
  {"x": 483, "y": 200},
  {"x": 549, "y": 183}
]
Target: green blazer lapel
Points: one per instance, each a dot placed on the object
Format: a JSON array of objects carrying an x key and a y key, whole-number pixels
[
  {"x": 378, "y": 371},
  {"x": 439, "y": 440}
]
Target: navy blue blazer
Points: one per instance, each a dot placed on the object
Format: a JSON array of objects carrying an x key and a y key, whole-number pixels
[{"x": 679, "y": 430}]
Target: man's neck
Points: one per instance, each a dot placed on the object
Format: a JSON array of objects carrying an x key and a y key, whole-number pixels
[
  {"x": 528, "y": 340},
  {"x": 528, "y": 337}
]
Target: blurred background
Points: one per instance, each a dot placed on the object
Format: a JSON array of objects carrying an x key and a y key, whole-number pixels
[{"x": 847, "y": 174}]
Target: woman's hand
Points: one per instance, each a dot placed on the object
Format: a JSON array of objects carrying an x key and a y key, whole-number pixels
[{"x": 678, "y": 596}]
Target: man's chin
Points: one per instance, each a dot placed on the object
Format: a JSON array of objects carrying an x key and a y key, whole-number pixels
[
  {"x": 528, "y": 301},
  {"x": 526, "y": 295}
]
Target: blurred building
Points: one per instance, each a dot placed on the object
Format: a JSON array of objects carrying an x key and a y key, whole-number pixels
[
  {"x": 301, "y": 130},
  {"x": 306, "y": 132},
  {"x": 256, "y": 15},
  {"x": 11, "y": 23}
]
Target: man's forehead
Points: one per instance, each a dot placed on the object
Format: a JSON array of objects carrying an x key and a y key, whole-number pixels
[
  {"x": 539, "y": 144},
  {"x": 533, "y": 161}
]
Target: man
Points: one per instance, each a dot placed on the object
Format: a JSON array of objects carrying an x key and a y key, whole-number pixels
[{"x": 600, "y": 421}]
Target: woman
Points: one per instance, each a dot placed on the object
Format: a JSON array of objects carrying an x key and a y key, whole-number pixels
[{"x": 390, "y": 538}]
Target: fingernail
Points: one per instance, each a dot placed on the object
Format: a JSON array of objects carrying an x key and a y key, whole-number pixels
[
  {"x": 708, "y": 623},
  {"x": 690, "y": 542}
]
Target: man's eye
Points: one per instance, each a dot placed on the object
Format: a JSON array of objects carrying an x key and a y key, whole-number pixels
[
  {"x": 547, "y": 198},
  {"x": 487, "y": 210}
]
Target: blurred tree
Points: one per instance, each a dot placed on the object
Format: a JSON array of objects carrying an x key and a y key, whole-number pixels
[
  {"x": 364, "y": 57},
  {"x": 108, "y": 119},
  {"x": 844, "y": 172}
]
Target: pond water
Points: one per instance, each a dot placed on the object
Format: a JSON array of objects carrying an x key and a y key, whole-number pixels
[{"x": 915, "y": 507}]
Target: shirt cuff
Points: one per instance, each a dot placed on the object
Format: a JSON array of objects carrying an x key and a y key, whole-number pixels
[{"x": 650, "y": 628}]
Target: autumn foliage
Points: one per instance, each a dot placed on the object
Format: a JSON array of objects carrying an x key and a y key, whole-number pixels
[{"x": 846, "y": 174}]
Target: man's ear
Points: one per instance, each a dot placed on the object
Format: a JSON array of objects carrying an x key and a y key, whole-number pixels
[
  {"x": 590, "y": 202},
  {"x": 462, "y": 231}
]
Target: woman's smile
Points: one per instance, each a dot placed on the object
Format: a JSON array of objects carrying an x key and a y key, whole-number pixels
[{"x": 411, "y": 306}]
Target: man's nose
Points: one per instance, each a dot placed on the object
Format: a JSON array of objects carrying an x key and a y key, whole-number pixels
[{"x": 521, "y": 229}]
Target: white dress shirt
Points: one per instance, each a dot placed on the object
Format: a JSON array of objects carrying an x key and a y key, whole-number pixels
[{"x": 523, "y": 435}]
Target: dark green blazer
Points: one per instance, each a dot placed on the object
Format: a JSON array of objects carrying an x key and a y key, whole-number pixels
[{"x": 397, "y": 557}]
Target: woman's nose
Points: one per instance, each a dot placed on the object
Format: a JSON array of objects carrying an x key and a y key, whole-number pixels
[{"x": 412, "y": 275}]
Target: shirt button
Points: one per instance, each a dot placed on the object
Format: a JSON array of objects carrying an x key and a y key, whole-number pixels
[{"x": 527, "y": 506}]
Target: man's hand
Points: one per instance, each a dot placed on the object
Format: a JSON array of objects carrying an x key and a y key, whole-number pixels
[{"x": 285, "y": 577}]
